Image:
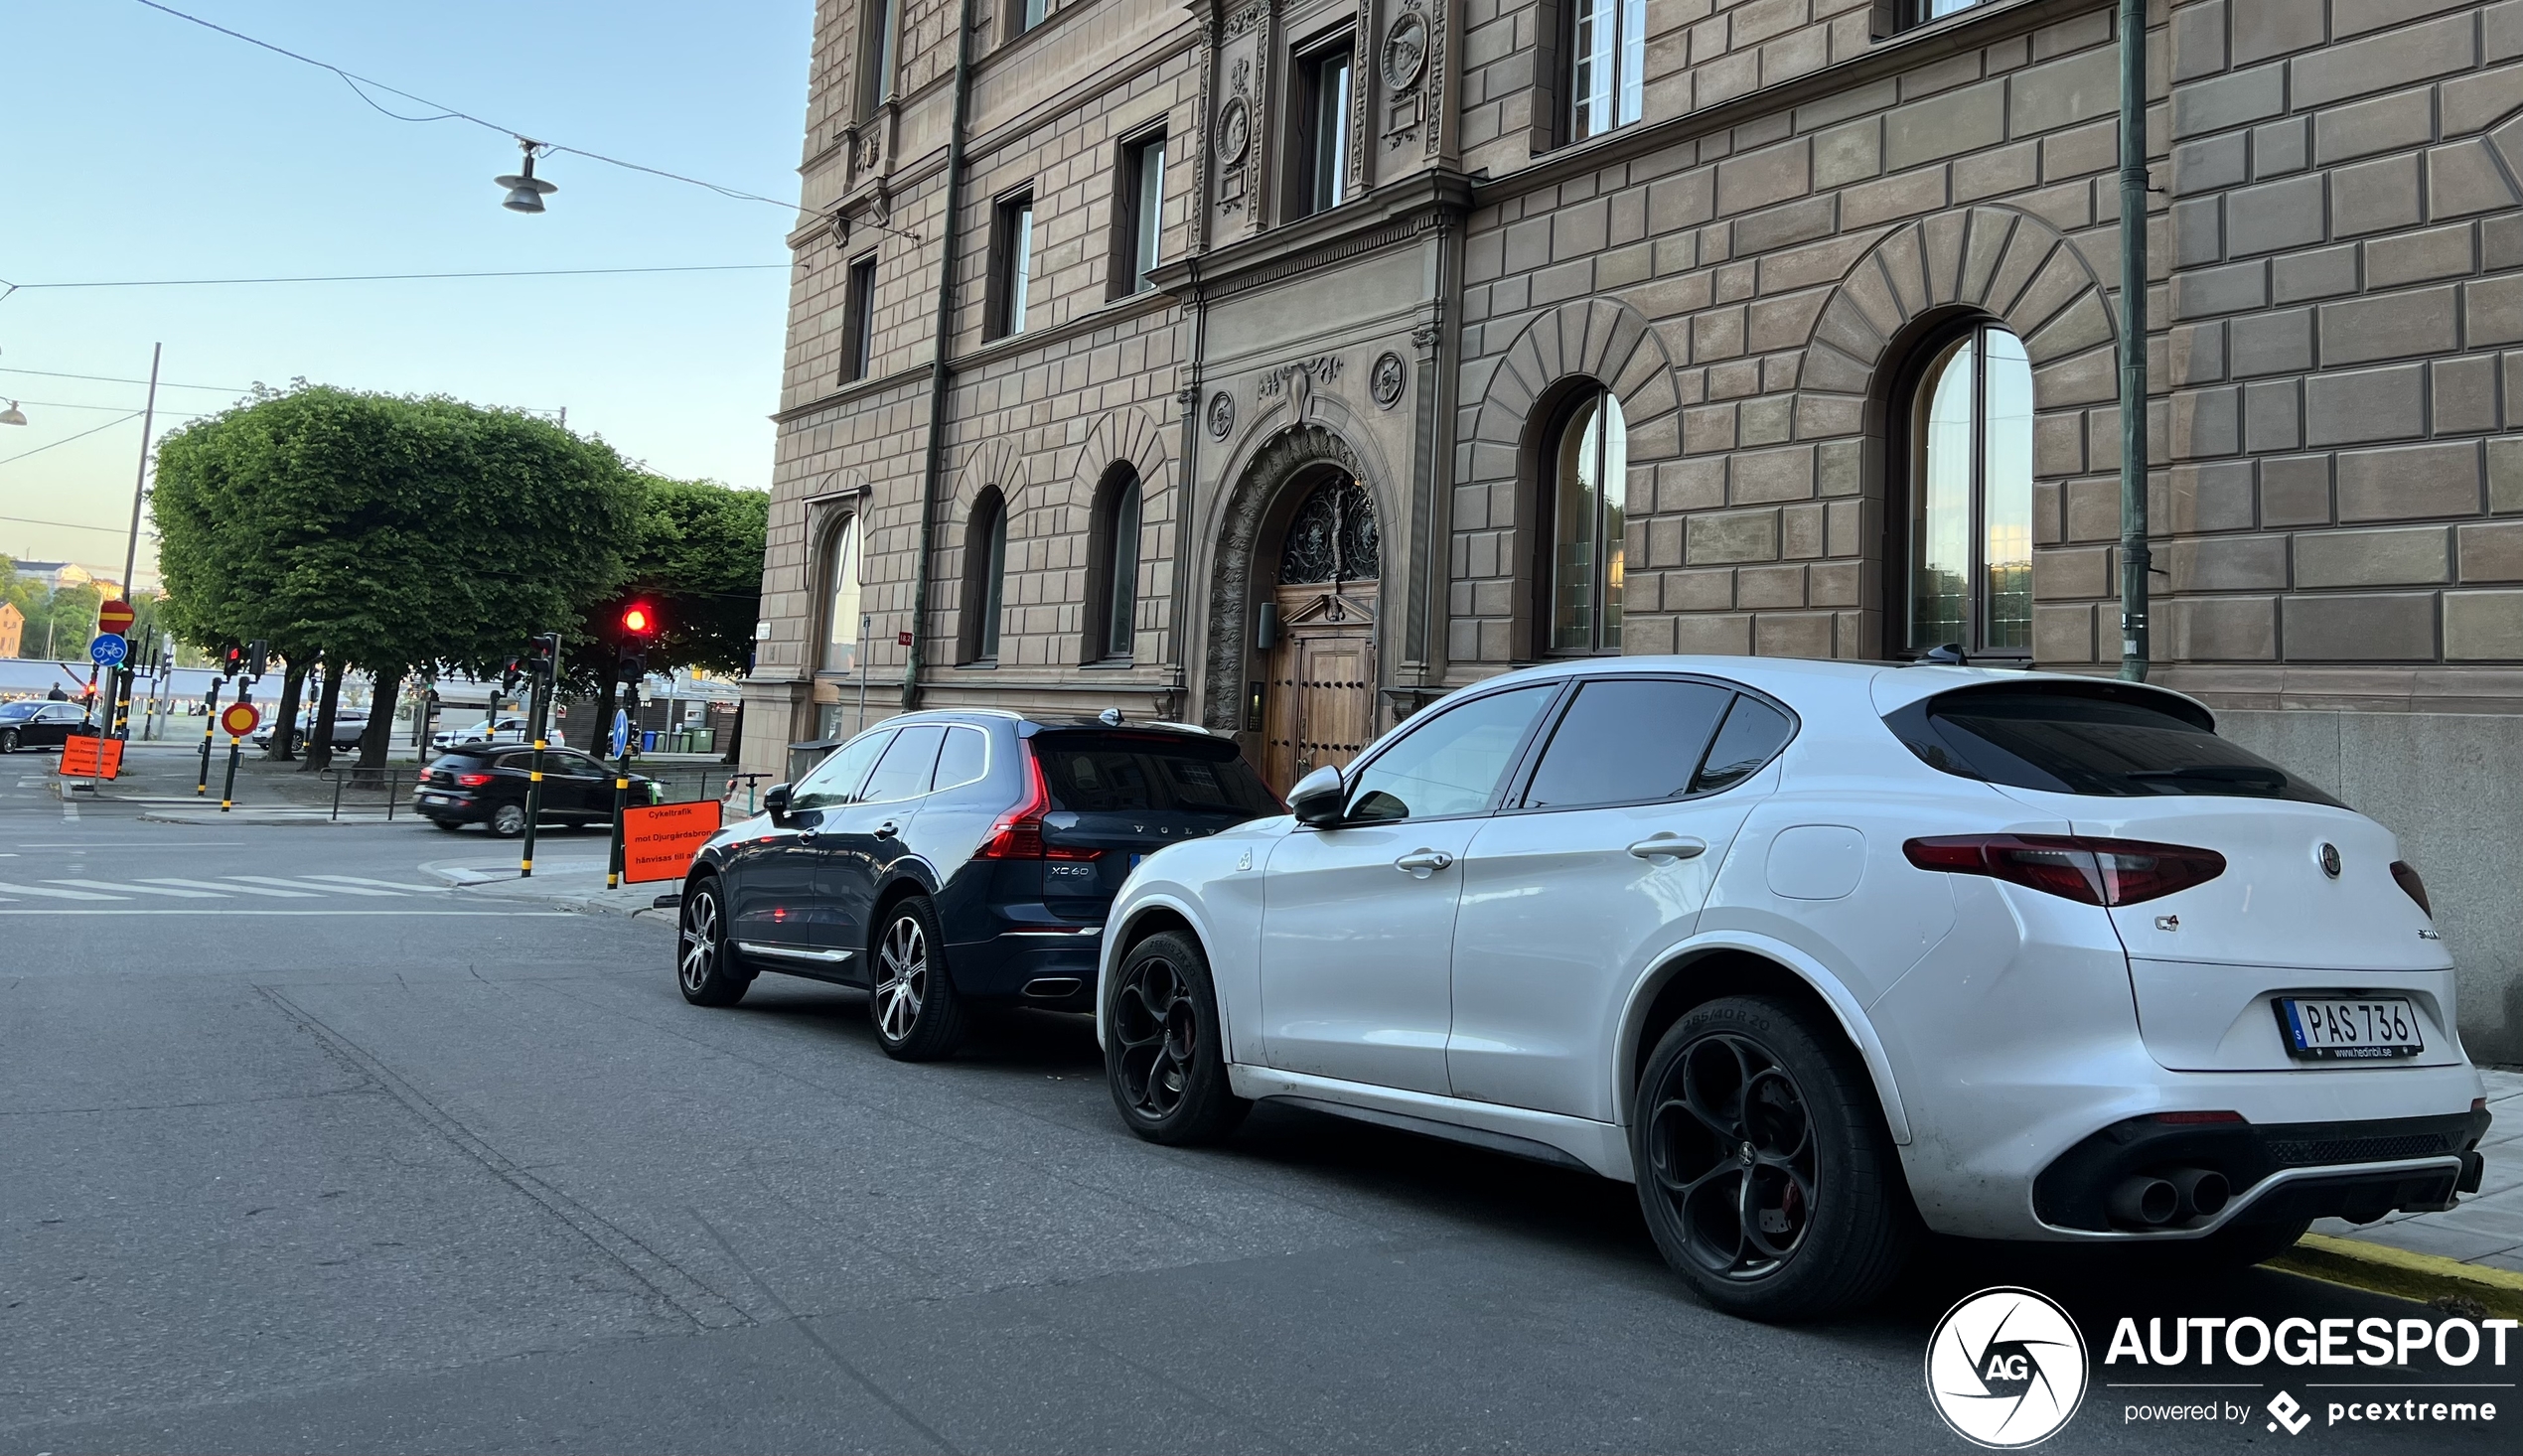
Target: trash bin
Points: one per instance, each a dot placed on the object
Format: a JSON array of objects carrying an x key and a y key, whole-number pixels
[{"x": 648, "y": 739}]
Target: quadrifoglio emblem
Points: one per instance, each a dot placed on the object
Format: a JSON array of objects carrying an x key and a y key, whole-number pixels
[{"x": 2005, "y": 1367}]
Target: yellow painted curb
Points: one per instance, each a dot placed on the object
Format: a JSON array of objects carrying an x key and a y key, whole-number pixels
[{"x": 2379, "y": 1268}]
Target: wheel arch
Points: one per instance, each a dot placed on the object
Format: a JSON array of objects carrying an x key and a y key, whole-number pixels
[
  {"x": 1702, "y": 971},
  {"x": 1152, "y": 915}
]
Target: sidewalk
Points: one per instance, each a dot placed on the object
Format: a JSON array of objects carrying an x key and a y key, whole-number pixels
[{"x": 571, "y": 880}]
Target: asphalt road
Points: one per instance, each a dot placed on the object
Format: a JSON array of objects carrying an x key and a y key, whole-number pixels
[{"x": 365, "y": 1165}]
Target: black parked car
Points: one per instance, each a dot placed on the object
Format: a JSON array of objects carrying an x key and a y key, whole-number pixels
[
  {"x": 484, "y": 783},
  {"x": 947, "y": 859},
  {"x": 37, "y": 723}
]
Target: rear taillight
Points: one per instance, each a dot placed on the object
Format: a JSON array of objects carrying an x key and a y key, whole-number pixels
[
  {"x": 2413, "y": 886},
  {"x": 1018, "y": 833},
  {"x": 2095, "y": 871},
  {"x": 473, "y": 781}
]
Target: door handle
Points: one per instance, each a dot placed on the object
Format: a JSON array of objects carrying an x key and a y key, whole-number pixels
[
  {"x": 887, "y": 829},
  {"x": 1421, "y": 863},
  {"x": 1676, "y": 846}
]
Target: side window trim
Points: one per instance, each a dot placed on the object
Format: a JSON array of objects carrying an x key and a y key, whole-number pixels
[
  {"x": 988, "y": 757},
  {"x": 1522, "y": 781},
  {"x": 1518, "y": 763},
  {"x": 925, "y": 779}
]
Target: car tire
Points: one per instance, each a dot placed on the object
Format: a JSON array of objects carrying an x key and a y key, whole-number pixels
[
  {"x": 508, "y": 820},
  {"x": 8, "y": 740},
  {"x": 1752, "y": 1090},
  {"x": 912, "y": 1001},
  {"x": 1166, "y": 1052},
  {"x": 450, "y": 825},
  {"x": 705, "y": 965}
]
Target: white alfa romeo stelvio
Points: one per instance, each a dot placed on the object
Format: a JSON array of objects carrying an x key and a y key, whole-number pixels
[{"x": 1821, "y": 955}]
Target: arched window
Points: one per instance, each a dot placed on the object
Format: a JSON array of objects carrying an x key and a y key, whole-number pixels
[
  {"x": 984, "y": 576},
  {"x": 841, "y": 599},
  {"x": 1970, "y": 527},
  {"x": 1585, "y": 488},
  {"x": 1116, "y": 567}
]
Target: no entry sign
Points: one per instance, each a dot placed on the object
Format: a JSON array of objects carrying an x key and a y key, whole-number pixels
[
  {"x": 115, "y": 619},
  {"x": 239, "y": 719}
]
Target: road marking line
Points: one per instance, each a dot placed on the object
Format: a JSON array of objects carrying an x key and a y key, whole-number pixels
[
  {"x": 370, "y": 911},
  {"x": 139, "y": 888},
  {"x": 232, "y": 889},
  {"x": 384, "y": 884},
  {"x": 57, "y": 894},
  {"x": 70, "y": 811},
  {"x": 296, "y": 885}
]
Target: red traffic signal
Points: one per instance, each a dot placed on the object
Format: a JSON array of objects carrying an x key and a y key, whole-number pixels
[{"x": 638, "y": 620}]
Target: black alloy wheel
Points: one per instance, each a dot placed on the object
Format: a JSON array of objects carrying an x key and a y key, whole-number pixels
[
  {"x": 912, "y": 1002},
  {"x": 8, "y": 740},
  {"x": 1164, "y": 1055},
  {"x": 1763, "y": 1168},
  {"x": 705, "y": 964}
]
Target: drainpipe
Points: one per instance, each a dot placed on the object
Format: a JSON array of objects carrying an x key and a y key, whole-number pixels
[
  {"x": 2134, "y": 559},
  {"x": 1187, "y": 482},
  {"x": 940, "y": 371}
]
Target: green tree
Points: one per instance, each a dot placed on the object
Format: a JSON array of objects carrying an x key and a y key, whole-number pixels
[
  {"x": 385, "y": 533},
  {"x": 697, "y": 564}
]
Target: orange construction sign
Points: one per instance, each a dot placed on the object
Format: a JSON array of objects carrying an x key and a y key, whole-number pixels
[
  {"x": 657, "y": 842},
  {"x": 80, "y": 760}
]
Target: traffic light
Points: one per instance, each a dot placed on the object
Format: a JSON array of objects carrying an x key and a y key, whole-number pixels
[
  {"x": 509, "y": 671},
  {"x": 544, "y": 658},
  {"x": 231, "y": 662},
  {"x": 631, "y": 667},
  {"x": 639, "y": 623},
  {"x": 257, "y": 658}
]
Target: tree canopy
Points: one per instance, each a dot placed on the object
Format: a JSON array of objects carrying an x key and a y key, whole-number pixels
[{"x": 386, "y": 532}]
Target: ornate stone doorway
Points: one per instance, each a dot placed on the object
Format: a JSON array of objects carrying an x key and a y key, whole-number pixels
[{"x": 1320, "y": 706}]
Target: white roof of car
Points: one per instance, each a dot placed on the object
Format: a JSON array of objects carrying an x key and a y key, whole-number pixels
[{"x": 1811, "y": 681}]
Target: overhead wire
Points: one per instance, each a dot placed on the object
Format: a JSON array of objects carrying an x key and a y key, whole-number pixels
[
  {"x": 120, "y": 380},
  {"x": 65, "y": 439}
]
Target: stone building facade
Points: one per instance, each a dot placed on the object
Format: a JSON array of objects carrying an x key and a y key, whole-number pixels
[{"x": 1451, "y": 335}]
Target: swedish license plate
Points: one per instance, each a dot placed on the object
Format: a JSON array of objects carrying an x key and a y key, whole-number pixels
[
  {"x": 2348, "y": 1028},
  {"x": 436, "y": 797}
]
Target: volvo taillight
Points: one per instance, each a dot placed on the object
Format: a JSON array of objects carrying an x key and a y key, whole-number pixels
[
  {"x": 1018, "y": 833},
  {"x": 2095, "y": 871}
]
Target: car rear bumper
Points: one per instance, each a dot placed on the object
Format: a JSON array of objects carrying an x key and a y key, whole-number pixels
[
  {"x": 450, "y": 807},
  {"x": 1053, "y": 968}
]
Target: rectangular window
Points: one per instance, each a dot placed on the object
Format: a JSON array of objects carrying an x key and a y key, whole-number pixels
[
  {"x": 1607, "y": 54},
  {"x": 1027, "y": 14},
  {"x": 858, "y": 321},
  {"x": 1139, "y": 216},
  {"x": 1318, "y": 171},
  {"x": 1011, "y": 265},
  {"x": 876, "y": 56}
]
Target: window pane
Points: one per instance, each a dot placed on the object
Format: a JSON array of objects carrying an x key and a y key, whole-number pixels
[
  {"x": 1450, "y": 764},
  {"x": 1625, "y": 742},
  {"x": 1331, "y": 129},
  {"x": 836, "y": 780},
  {"x": 1575, "y": 509},
  {"x": 2005, "y": 551},
  {"x": 841, "y": 628},
  {"x": 1754, "y": 734},
  {"x": 1020, "y": 254},
  {"x": 1613, "y": 481},
  {"x": 1633, "y": 59},
  {"x": 1119, "y": 630},
  {"x": 1592, "y": 87},
  {"x": 1090, "y": 773},
  {"x": 993, "y": 579},
  {"x": 2071, "y": 743},
  {"x": 904, "y": 771},
  {"x": 964, "y": 760},
  {"x": 1035, "y": 10},
  {"x": 1152, "y": 210},
  {"x": 1940, "y": 522}
]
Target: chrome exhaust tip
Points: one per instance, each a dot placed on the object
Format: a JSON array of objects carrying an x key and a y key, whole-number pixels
[{"x": 1053, "y": 988}]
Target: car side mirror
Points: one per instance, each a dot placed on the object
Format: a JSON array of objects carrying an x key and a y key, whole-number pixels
[
  {"x": 1317, "y": 798},
  {"x": 774, "y": 803}
]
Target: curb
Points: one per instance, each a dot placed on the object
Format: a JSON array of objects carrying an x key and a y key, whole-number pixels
[
  {"x": 2379, "y": 1268},
  {"x": 579, "y": 902}
]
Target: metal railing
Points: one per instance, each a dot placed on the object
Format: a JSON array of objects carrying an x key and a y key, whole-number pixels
[{"x": 389, "y": 779}]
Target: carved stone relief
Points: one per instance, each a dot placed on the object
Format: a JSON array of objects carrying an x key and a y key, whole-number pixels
[{"x": 1403, "y": 60}]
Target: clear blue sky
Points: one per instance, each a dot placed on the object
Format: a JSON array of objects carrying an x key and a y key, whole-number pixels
[{"x": 134, "y": 145}]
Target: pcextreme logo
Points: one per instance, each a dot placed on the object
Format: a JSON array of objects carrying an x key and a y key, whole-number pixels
[{"x": 2005, "y": 1367}]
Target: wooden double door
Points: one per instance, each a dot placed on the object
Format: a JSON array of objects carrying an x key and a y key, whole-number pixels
[{"x": 1321, "y": 707}]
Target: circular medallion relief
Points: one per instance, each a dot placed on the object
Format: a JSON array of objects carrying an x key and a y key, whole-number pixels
[
  {"x": 1222, "y": 414},
  {"x": 1234, "y": 131},
  {"x": 1387, "y": 380},
  {"x": 1405, "y": 50}
]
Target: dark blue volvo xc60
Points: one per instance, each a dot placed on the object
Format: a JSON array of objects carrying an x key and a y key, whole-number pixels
[{"x": 950, "y": 859}]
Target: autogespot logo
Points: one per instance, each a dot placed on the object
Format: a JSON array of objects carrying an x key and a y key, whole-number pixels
[{"x": 2005, "y": 1367}]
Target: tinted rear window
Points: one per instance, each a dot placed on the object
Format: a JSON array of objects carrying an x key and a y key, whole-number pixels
[
  {"x": 2111, "y": 744},
  {"x": 1627, "y": 741},
  {"x": 1089, "y": 773}
]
